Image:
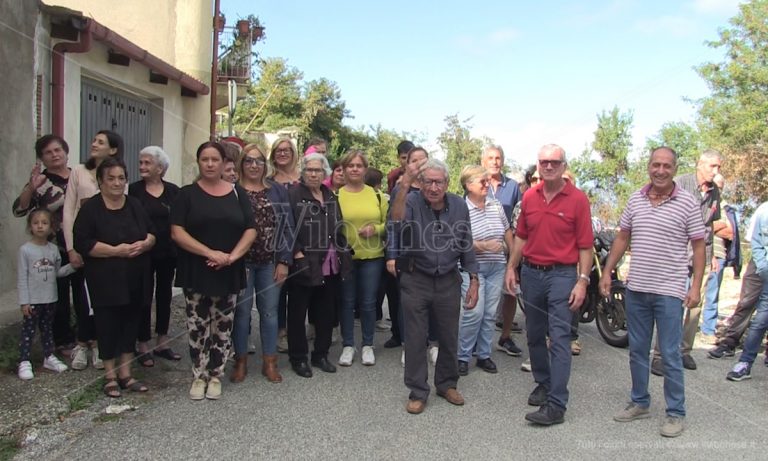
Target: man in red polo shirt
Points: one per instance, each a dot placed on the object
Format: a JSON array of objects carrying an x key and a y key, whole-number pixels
[{"x": 554, "y": 241}]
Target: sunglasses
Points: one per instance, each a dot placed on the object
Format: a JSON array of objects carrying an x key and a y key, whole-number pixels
[{"x": 553, "y": 163}]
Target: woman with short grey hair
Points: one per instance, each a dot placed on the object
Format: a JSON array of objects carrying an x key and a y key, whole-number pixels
[
  {"x": 320, "y": 258},
  {"x": 315, "y": 157},
  {"x": 156, "y": 196}
]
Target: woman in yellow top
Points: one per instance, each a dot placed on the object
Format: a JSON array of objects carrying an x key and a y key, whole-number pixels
[{"x": 365, "y": 215}]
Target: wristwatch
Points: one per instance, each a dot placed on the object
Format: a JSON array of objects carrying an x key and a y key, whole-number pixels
[
  {"x": 584, "y": 277},
  {"x": 473, "y": 277}
]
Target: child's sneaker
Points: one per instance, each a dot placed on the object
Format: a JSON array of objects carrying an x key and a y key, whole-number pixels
[
  {"x": 54, "y": 364},
  {"x": 25, "y": 370}
]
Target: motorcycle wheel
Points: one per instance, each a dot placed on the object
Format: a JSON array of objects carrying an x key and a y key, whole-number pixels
[{"x": 611, "y": 318}]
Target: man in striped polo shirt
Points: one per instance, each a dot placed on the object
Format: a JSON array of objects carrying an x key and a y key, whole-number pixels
[{"x": 659, "y": 221}]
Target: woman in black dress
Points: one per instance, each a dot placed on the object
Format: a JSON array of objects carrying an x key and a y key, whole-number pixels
[{"x": 114, "y": 235}]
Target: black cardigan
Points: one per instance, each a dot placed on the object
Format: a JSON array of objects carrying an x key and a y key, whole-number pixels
[
  {"x": 318, "y": 226},
  {"x": 112, "y": 280}
]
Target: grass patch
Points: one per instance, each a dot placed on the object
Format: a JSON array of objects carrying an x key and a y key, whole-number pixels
[
  {"x": 9, "y": 349},
  {"x": 9, "y": 446},
  {"x": 86, "y": 396}
]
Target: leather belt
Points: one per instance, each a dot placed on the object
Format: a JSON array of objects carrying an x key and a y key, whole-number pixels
[{"x": 547, "y": 267}]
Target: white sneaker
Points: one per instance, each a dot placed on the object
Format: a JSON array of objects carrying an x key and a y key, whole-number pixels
[
  {"x": 197, "y": 391},
  {"x": 526, "y": 366},
  {"x": 433, "y": 351},
  {"x": 282, "y": 343},
  {"x": 382, "y": 325},
  {"x": 79, "y": 357},
  {"x": 25, "y": 371},
  {"x": 347, "y": 356},
  {"x": 213, "y": 392},
  {"x": 402, "y": 358},
  {"x": 54, "y": 364},
  {"x": 368, "y": 357},
  {"x": 97, "y": 362}
]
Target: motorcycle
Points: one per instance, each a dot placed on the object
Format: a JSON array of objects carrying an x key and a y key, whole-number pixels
[{"x": 609, "y": 311}]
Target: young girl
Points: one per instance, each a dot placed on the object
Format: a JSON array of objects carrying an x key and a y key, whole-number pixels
[{"x": 39, "y": 265}]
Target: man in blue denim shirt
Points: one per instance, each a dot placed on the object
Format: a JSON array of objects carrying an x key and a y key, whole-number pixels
[
  {"x": 757, "y": 328},
  {"x": 435, "y": 235}
]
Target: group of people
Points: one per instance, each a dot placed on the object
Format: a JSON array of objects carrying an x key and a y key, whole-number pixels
[{"x": 310, "y": 244}]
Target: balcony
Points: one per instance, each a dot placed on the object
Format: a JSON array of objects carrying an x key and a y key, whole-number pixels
[{"x": 236, "y": 57}]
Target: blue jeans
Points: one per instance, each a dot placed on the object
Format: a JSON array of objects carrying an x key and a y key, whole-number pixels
[
  {"x": 361, "y": 286},
  {"x": 667, "y": 311},
  {"x": 545, "y": 296},
  {"x": 478, "y": 325},
  {"x": 757, "y": 328},
  {"x": 259, "y": 279},
  {"x": 711, "y": 298}
]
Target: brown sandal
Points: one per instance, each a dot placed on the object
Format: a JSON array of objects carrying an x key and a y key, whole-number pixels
[
  {"x": 112, "y": 389},
  {"x": 131, "y": 384}
]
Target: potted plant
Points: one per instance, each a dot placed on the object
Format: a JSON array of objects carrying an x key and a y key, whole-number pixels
[
  {"x": 243, "y": 28},
  {"x": 219, "y": 22}
]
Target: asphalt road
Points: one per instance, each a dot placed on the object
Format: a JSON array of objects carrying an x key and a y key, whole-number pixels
[{"x": 358, "y": 413}]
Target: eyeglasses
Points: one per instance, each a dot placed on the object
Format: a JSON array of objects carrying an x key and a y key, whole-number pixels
[
  {"x": 284, "y": 151},
  {"x": 482, "y": 182},
  {"x": 553, "y": 163},
  {"x": 535, "y": 179},
  {"x": 314, "y": 170},
  {"x": 248, "y": 161},
  {"x": 433, "y": 182}
]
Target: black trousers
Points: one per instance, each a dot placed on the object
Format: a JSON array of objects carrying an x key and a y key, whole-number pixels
[
  {"x": 86, "y": 326},
  {"x": 751, "y": 287},
  {"x": 62, "y": 326},
  {"x": 163, "y": 271},
  {"x": 390, "y": 288},
  {"x": 320, "y": 302},
  {"x": 438, "y": 297}
]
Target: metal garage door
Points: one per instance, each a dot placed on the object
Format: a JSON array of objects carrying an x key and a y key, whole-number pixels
[{"x": 104, "y": 109}]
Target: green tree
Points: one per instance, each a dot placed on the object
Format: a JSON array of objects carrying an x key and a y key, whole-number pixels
[
  {"x": 460, "y": 149},
  {"x": 274, "y": 100},
  {"x": 685, "y": 139},
  {"x": 733, "y": 117},
  {"x": 323, "y": 110},
  {"x": 603, "y": 166}
]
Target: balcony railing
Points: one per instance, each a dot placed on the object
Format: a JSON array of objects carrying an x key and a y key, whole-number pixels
[{"x": 236, "y": 54}]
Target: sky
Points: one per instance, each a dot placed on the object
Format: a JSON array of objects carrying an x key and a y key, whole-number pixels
[{"x": 522, "y": 73}]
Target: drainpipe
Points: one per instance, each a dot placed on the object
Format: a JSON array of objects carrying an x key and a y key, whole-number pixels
[
  {"x": 57, "y": 78},
  {"x": 214, "y": 68}
]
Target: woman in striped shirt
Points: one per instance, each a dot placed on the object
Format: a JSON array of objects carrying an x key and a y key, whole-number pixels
[{"x": 492, "y": 237}]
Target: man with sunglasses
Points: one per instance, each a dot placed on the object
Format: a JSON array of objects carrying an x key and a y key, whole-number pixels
[
  {"x": 554, "y": 243},
  {"x": 434, "y": 235}
]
